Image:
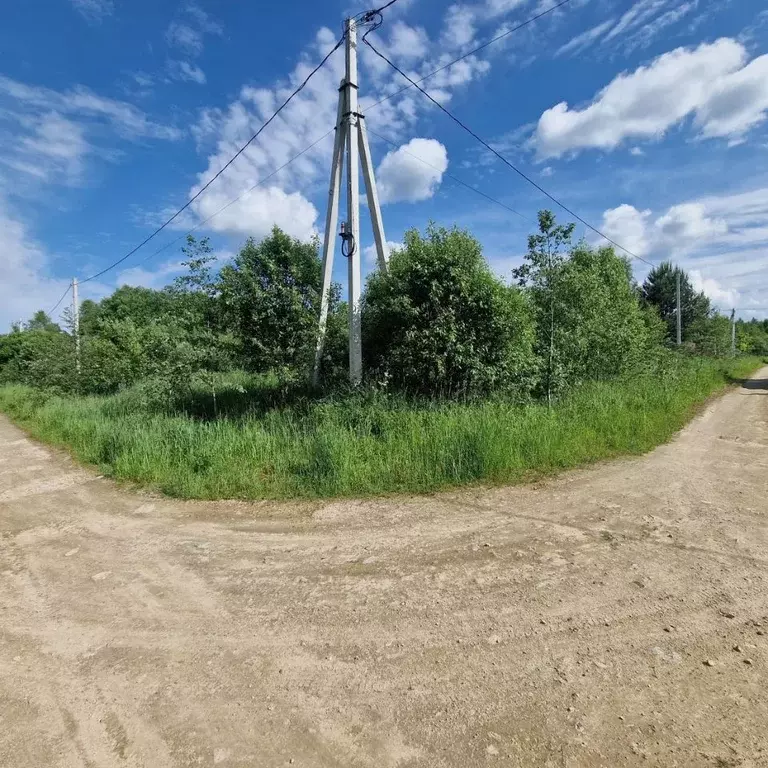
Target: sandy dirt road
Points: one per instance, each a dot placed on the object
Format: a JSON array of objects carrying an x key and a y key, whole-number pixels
[{"x": 615, "y": 616}]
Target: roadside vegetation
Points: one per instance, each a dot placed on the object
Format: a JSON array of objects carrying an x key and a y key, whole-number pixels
[{"x": 201, "y": 390}]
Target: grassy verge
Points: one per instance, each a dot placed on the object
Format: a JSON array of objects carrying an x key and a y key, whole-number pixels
[{"x": 362, "y": 445}]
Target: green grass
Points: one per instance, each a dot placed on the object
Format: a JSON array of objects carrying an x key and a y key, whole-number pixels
[{"x": 368, "y": 444}]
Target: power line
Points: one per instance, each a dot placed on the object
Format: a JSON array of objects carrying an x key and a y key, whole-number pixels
[
  {"x": 468, "y": 53},
  {"x": 221, "y": 170},
  {"x": 451, "y": 176},
  {"x": 238, "y": 198},
  {"x": 502, "y": 158},
  {"x": 370, "y": 14},
  {"x": 63, "y": 296}
]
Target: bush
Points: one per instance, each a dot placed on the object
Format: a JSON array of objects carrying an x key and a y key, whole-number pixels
[{"x": 440, "y": 323}]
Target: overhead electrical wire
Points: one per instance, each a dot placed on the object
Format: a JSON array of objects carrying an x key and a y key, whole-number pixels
[
  {"x": 222, "y": 169},
  {"x": 450, "y": 176},
  {"x": 501, "y": 157},
  {"x": 463, "y": 56},
  {"x": 63, "y": 296},
  {"x": 238, "y": 198},
  {"x": 370, "y": 15}
]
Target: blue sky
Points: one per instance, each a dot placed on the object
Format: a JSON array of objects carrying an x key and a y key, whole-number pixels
[{"x": 648, "y": 117}]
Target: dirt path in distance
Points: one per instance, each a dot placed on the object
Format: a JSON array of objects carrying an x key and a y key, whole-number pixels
[{"x": 614, "y": 616}]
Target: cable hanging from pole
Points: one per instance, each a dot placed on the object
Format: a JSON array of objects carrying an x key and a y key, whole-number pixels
[
  {"x": 452, "y": 177},
  {"x": 63, "y": 296},
  {"x": 237, "y": 199},
  {"x": 223, "y": 168},
  {"x": 500, "y": 156},
  {"x": 466, "y": 55}
]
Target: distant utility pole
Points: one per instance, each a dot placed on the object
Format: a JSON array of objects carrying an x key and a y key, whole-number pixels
[
  {"x": 679, "y": 313},
  {"x": 76, "y": 321},
  {"x": 733, "y": 333},
  {"x": 351, "y": 135}
]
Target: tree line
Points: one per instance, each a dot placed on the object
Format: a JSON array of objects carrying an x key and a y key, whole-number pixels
[{"x": 439, "y": 323}]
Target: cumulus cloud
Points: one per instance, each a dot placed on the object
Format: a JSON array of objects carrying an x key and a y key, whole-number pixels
[
  {"x": 412, "y": 172},
  {"x": 407, "y": 43},
  {"x": 720, "y": 296},
  {"x": 722, "y": 240},
  {"x": 714, "y": 84},
  {"x": 258, "y": 211},
  {"x": 679, "y": 229},
  {"x": 24, "y": 288},
  {"x": 628, "y": 226},
  {"x": 369, "y": 252},
  {"x": 459, "y": 27}
]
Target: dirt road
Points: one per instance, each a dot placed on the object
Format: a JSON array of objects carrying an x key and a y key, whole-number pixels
[{"x": 615, "y": 616}]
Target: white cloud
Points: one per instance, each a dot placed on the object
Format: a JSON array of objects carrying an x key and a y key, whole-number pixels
[
  {"x": 713, "y": 83},
  {"x": 688, "y": 223},
  {"x": 628, "y": 226},
  {"x": 500, "y": 7},
  {"x": 647, "y": 32},
  {"x": 548, "y": 171},
  {"x": 370, "y": 257},
  {"x": 186, "y": 37},
  {"x": 459, "y": 27},
  {"x": 412, "y": 172},
  {"x": 183, "y": 70},
  {"x": 636, "y": 152},
  {"x": 722, "y": 240},
  {"x": 258, "y": 211},
  {"x": 142, "y": 277},
  {"x": 407, "y": 43},
  {"x": 94, "y": 11},
  {"x": 636, "y": 16},
  {"x": 46, "y": 135},
  {"x": 24, "y": 288},
  {"x": 17, "y": 98},
  {"x": 55, "y": 148},
  {"x": 719, "y": 296},
  {"x": 681, "y": 228},
  {"x": 188, "y": 32},
  {"x": 584, "y": 40}
]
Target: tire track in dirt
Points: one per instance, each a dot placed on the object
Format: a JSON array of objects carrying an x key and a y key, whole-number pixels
[{"x": 569, "y": 623}]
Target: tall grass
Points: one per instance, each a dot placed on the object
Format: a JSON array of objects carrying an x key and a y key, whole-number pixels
[{"x": 368, "y": 444}]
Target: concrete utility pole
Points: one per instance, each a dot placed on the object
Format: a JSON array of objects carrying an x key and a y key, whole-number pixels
[
  {"x": 733, "y": 333},
  {"x": 352, "y": 137},
  {"x": 679, "y": 313},
  {"x": 76, "y": 320}
]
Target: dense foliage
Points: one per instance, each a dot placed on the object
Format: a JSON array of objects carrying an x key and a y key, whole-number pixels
[
  {"x": 589, "y": 322},
  {"x": 439, "y": 324},
  {"x": 368, "y": 442}
]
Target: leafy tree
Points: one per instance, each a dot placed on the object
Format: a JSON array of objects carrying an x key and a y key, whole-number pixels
[
  {"x": 541, "y": 274},
  {"x": 199, "y": 278},
  {"x": 440, "y": 323},
  {"x": 271, "y": 301},
  {"x": 590, "y": 324},
  {"x": 603, "y": 332},
  {"x": 660, "y": 290},
  {"x": 41, "y": 322},
  {"x": 141, "y": 305},
  {"x": 38, "y": 358}
]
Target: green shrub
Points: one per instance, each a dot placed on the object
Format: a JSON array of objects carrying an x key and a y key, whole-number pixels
[{"x": 439, "y": 322}]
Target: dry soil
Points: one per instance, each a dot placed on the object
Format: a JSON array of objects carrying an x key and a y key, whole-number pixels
[{"x": 614, "y": 616}]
